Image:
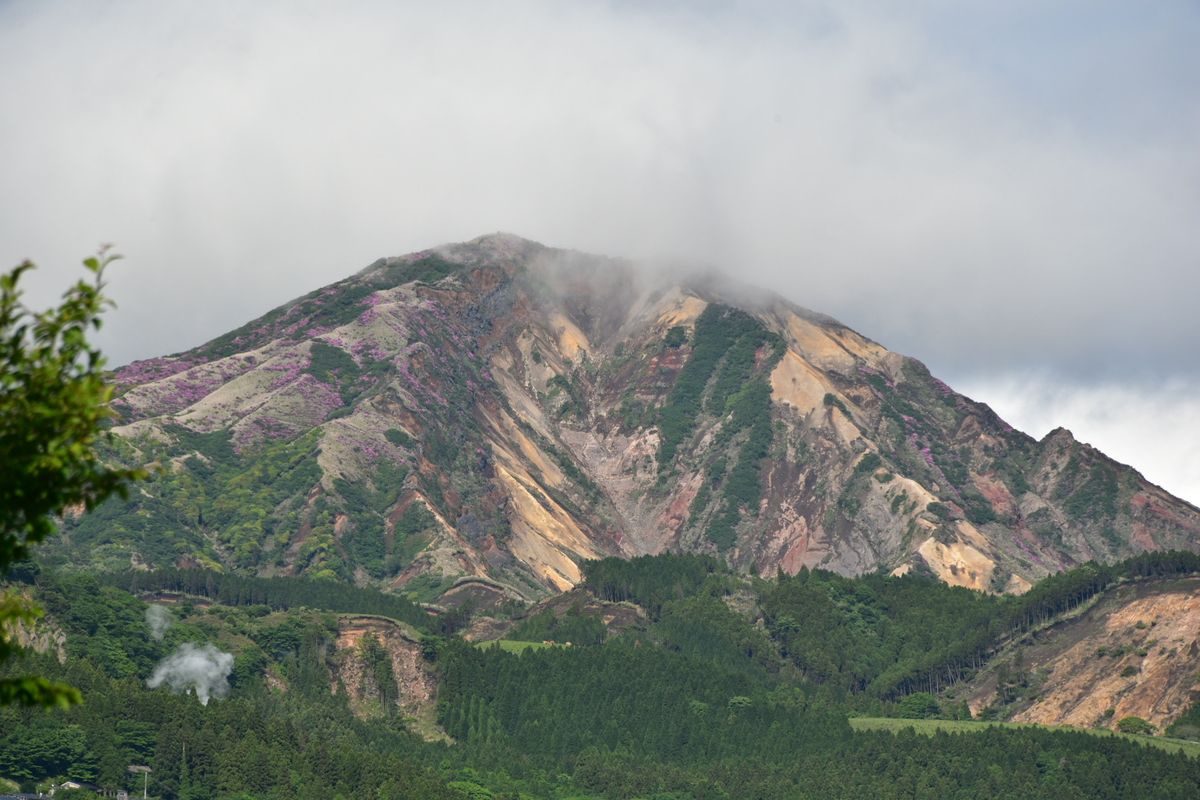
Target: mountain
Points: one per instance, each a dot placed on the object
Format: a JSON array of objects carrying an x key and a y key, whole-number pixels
[{"x": 471, "y": 422}]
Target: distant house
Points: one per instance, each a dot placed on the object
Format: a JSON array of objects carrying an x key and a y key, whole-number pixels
[
  {"x": 115, "y": 794},
  {"x": 87, "y": 787}
]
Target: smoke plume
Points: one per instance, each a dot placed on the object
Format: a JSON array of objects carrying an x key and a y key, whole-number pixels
[
  {"x": 204, "y": 670},
  {"x": 159, "y": 619}
]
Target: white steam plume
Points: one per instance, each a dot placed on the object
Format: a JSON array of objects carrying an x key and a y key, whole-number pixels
[
  {"x": 159, "y": 619},
  {"x": 204, "y": 670}
]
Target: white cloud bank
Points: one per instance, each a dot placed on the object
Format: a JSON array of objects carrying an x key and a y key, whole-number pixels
[{"x": 900, "y": 172}]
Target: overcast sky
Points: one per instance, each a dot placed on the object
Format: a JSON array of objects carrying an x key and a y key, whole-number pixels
[{"x": 1009, "y": 191}]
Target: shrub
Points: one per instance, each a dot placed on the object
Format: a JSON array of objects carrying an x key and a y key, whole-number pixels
[
  {"x": 717, "y": 329},
  {"x": 676, "y": 337},
  {"x": 831, "y": 400},
  {"x": 920, "y": 705},
  {"x": 1135, "y": 725},
  {"x": 399, "y": 438},
  {"x": 868, "y": 463}
]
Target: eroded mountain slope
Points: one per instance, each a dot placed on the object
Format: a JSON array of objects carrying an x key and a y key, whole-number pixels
[
  {"x": 1136, "y": 653},
  {"x": 497, "y": 411}
]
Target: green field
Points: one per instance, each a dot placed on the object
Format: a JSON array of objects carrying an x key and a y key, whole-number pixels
[
  {"x": 511, "y": 646},
  {"x": 930, "y": 726}
]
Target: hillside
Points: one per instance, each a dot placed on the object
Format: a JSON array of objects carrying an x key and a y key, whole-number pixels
[
  {"x": 684, "y": 680},
  {"x": 1134, "y": 653},
  {"x": 482, "y": 417}
]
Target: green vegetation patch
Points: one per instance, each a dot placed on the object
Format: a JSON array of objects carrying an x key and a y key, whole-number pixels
[
  {"x": 514, "y": 646},
  {"x": 676, "y": 337},
  {"x": 274, "y": 593},
  {"x": 931, "y": 727},
  {"x": 429, "y": 269},
  {"x": 330, "y": 364},
  {"x": 399, "y": 438},
  {"x": 1097, "y": 496},
  {"x": 717, "y": 329},
  {"x": 725, "y": 378},
  {"x": 220, "y": 499},
  {"x": 651, "y": 581},
  {"x": 575, "y": 627}
]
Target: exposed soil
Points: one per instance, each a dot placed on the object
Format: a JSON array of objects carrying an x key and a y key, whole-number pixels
[
  {"x": 415, "y": 680},
  {"x": 1135, "y": 653}
]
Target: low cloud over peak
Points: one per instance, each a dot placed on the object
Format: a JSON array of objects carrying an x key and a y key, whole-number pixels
[{"x": 992, "y": 189}]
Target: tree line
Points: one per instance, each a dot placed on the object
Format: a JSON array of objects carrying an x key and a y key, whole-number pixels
[
  {"x": 277, "y": 593},
  {"x": 878, "y": 635}
]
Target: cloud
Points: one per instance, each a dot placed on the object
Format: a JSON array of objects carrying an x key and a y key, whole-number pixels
[
  {"x": 993, "y": 188},
  {"x": 203, "y": 670},
  {"x": 158, "y": 619},
  {"x": 859, "y": 162}
]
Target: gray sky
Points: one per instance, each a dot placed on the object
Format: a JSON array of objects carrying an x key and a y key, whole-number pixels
[{"x": 1008, "y": 191}]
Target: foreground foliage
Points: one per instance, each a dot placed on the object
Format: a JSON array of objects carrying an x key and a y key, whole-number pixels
[{"x": 53, "y": 404}]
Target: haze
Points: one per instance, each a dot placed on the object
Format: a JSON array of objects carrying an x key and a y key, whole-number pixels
[{"x": 1007, "y": 191}]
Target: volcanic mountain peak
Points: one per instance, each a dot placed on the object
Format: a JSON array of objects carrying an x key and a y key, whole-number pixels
[{"x": 472, "y": 420}]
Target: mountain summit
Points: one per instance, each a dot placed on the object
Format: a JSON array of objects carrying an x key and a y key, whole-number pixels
[{"x": 472, "y": 421}]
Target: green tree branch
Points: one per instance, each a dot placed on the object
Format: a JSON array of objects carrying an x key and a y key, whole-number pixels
[{"x": 54, "y": 402}]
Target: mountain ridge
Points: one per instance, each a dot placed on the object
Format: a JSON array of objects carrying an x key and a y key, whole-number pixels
[{"x": 498, "y": 410}]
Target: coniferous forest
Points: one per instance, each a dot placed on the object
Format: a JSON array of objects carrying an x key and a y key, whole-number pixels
[{"x": 728, "y": 687}]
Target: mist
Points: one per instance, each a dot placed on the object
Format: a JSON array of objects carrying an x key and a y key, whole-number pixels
[
  {"x": 203, "y": 670},
  {"x": 158, "y": 619}
]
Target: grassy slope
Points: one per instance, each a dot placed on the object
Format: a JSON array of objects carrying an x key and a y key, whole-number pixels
[{"x": 930, "y": 726}]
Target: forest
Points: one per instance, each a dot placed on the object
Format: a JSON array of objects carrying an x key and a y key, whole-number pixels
[{"x": 694, "y": 702}]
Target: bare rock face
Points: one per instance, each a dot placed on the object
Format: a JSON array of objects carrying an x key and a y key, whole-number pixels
[
  {"x": 41, "y": 636},
  {"x": 379, "y": 666},
  {"x": 498, "y": 411},
  {"x": 1136, "y": 654}
]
